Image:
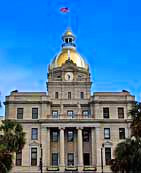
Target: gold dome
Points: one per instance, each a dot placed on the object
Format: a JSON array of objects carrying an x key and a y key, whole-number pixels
[
  {"x": 68, "y": 52},
  {"x": 68, "y": 32},
  {"x": 61, "y": 58}
]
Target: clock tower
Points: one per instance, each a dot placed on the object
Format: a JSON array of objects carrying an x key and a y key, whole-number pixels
[{"x": 68, "y": 74}]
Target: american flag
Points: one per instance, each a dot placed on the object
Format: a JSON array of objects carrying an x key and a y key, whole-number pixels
[{"x": 64, "y": 10}]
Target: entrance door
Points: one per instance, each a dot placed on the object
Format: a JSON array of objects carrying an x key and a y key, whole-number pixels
[{"x": 86, "y": 158}]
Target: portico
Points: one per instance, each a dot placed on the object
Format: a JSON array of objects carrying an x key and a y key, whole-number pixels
[{"x": 67, "y": 146}]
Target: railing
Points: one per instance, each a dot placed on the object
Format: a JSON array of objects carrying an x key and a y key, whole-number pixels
[{"x": 73, "y": 116}]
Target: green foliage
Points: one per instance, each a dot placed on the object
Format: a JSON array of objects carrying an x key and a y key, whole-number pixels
[
  {"x": 127, "y": 156},
  {"x": 135, "y": 113},
  {"x": 128, "y": 153},
  {"x": 12, "y": 139}
]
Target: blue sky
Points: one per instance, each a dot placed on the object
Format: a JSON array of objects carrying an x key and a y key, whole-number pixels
[{"x": 108, "y": 36}]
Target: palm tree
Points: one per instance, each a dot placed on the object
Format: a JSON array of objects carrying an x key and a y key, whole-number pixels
[
  {"x": 12, "y": 139},
  {"x": 128, "y": 153}
]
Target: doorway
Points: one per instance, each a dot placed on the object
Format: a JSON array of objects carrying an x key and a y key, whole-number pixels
[{"x": 86, "y": 158}]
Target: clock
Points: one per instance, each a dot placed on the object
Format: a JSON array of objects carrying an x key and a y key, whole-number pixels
[{"x": 69, "y": 76}]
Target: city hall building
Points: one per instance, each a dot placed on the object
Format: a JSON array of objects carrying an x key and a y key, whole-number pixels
[{"x": 68, "y": 128}]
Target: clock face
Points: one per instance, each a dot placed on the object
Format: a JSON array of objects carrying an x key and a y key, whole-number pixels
[{"x": 69, "y": 76}]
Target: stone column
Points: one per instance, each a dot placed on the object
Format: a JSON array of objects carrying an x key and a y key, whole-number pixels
[
  {"x": 48, "y": 147},
  {"x": 43, "y": 146},
  {"x": 62, "y": 152},
  {"x": 93, "y": 138},
  {"x": 80, "y": 149}
]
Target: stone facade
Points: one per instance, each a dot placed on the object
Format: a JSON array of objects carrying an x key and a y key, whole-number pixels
[{"x": 67, "y": 126}]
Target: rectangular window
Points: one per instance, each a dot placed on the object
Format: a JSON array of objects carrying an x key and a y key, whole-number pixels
[
  {"x": 69, "y": 95},
  {"x": 81, "y": 95},
  {"x": 106, "y": 133},
  {"x": 107, "y": 156},
  {"x": 55, "y": 159},
  {"x": 34, "y": 113},
  {"x": 55, "y": 114},
  {"x": 33, "y": 156},
  {"x": 34, "y": 134},
  {"x": 19, "y": 158},
  {"x": 85, "y": 113},
  {"x": 105, "y": 112},
  {"x": 70, "y": 136},
  {"x": 121, "y": 133},
  {"x": 70, "y": 114},
  {"x": 86, "y": 136},
  {"x": 54, "y": 136},
  {"x": 19, "y": 113},
  {"x": 120, "y": 112},
  {"x": 56, "y": 95},
  {"x": 70, "y": 159}
]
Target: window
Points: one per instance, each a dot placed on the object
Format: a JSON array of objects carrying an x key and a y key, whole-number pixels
[
  {"x": 121, "y": 133},
  {"x": 33, "y": 156},
  {"x": 34, "y": 134},
  {"x": 54, "y": 136},
  {"x": 69, "y": 95},
  {"x": 120, "y": 112},
  {"x": 19, "y": 158},
  {"x": 70, "y": 114},
  {"x": 86, "y": 158},
  {"x": 105, "y": 112},
  {"x": 86, "y": 136},
  {"x": 106, "y": 133},
  {"x": 81, "y": 95},
  {"x": 107, "y": 156},
  {"x": 85, "y": 113},
  {"x": 56, "y": 95},
  {"x": 70, "y": 159},
  {"x": 34, "y": 113},
  {"x": 70, "y": 136},
  {"x": 19, "y": 113},
  {"x": 55, "y": 114},
  {"x": 79, "y": 77},
  {"x": 55, "y": 159}
]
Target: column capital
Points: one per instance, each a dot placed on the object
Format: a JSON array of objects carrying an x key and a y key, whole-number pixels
[
  {"x": 61, "y": 128},
  {"x": 79, "y": 128}
]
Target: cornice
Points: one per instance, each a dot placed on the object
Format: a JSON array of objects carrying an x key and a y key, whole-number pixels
[{"x": 27, "y": 102}]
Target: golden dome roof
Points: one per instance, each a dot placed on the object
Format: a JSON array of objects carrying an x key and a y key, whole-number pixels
[
  {"x": 68, "y": 52},
  {"x": 61, "y": 58},
  {"x": 68, "y": 32}
]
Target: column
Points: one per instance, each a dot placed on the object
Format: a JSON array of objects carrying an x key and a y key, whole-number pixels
[
  {"x": 48, "y": 147},
  {"x": 80, "y": 149},
  {"x": 62, "y": 152},
  {"x": 99, "y": 141},
  {"x": 43, "y": 146},
  {"x": 93, "y": 138}
]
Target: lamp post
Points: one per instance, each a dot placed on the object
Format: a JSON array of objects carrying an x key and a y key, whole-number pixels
[
  {"x": 102, "y": 158},
  {"x": 41, "y": 159}
]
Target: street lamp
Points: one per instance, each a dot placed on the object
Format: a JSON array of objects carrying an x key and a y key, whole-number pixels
[
  {"x": 41, "y": 159},
  {"x": 102, "y": 158}
]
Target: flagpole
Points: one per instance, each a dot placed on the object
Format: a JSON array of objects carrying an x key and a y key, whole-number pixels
[{"x": 69, "y": 20}]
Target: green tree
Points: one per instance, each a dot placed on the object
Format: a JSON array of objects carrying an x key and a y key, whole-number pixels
[
  {"x": 12, "y": 139},
  {"x": 128, "y": 153},
  {"x": 135, "y": 113}
]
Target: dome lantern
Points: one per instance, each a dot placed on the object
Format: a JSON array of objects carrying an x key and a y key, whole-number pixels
[{"x": 68, "y": 40}]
